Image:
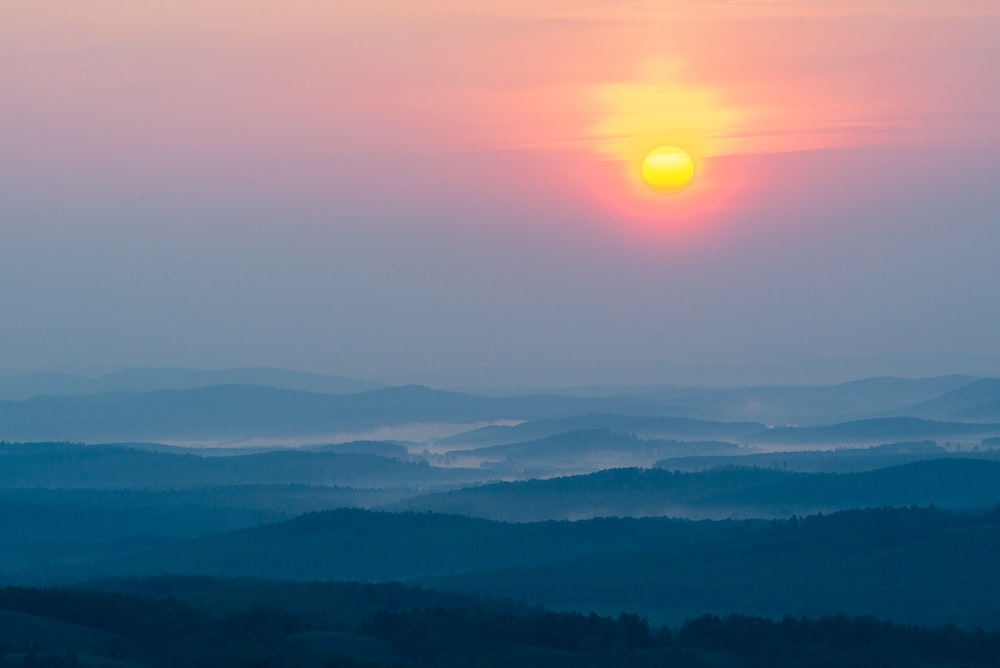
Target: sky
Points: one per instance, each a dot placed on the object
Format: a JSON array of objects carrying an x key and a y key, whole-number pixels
[{"x": 451, "y": 192}]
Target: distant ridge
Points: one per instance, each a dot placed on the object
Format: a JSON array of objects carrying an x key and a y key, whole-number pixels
[
  {"x": 875, "y": 430},
  {"x": 808, "y": 404},
  {"x": 976, "y": 401},
  {"x": 254, "y": 411},
  {"x": 27, "y": 386},
  {"x": 642, "y": 426},
  {"x": 990, "y": 411},
  {"x": 235, "y": 411},
  {"x": 838, "y": 460},
  {"x": 76, "y": 466},
  {"x": 590, "y": 449},
  {"x": 239, "y": 410}
]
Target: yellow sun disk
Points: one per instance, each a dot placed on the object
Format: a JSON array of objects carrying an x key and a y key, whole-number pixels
[{"x": 667, "y": 169}]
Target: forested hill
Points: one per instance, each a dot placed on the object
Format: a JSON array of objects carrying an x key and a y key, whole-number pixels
[
  {"x": 914, "y": 565},
  {"x": 68, "y": 465},
  {"x": 979, "y": 400},
  {"x": 219, "y": 623},
  {"x": 877, "y": 430},
  {"x": 722, "y": 492},
  {"x": 642, "y": 426},
  {"x": 588, "y": 450},
  {"x": 856, "y": 562}
]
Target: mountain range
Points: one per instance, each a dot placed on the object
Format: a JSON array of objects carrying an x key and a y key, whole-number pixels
[{"x": 722, "y": 492}]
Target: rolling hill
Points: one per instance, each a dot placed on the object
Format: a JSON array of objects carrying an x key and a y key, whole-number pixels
[
  {"x": 975, "y": 401},
  {"x": 235, "y": 411},
  {"x": 588, "y": 450},
  {"x": 876, "y": 430},
  {"x": 679, "y": 428},
  {"x": 721, "y": 493},
  {"x": 351, "y": 544},
  {"x": 66, "y": 465},
  {"x": 808, "y": 404},
  {"x": 915, "y": 565},
  {"x": 839, "y": 460}
]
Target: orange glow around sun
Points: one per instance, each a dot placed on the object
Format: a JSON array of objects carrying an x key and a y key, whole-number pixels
[
  {"x": 638, "y": 129},
  {"x": 660, "y": 108}
]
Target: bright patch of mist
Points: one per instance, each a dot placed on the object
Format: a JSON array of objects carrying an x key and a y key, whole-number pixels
[{"x": 422, "y": 433}]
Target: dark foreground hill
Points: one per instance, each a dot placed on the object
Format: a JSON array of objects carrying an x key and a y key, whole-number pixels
[
  {"x": 376, "y": 546},
  {"x": 218, "y": 623},
  {"x": 722, "y": 492},
  {"x": 914, "y": 565}
]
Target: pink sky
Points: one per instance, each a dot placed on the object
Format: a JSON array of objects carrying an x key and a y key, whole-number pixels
[
  {"x": 509, "y": 123},
  {"x": 313, "y": 86}
]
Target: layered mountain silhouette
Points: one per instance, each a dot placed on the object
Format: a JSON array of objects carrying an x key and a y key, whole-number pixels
[
  {"x": 65, "y": 465},
  {"x": 978, "y": 401},
  {"x": 723, "y": 492},
  {"x": 855, "y": 562},
  {"x": 27, "y": 386}
]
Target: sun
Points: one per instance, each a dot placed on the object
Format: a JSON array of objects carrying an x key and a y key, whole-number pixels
[{"x": 667, "y": 169}]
